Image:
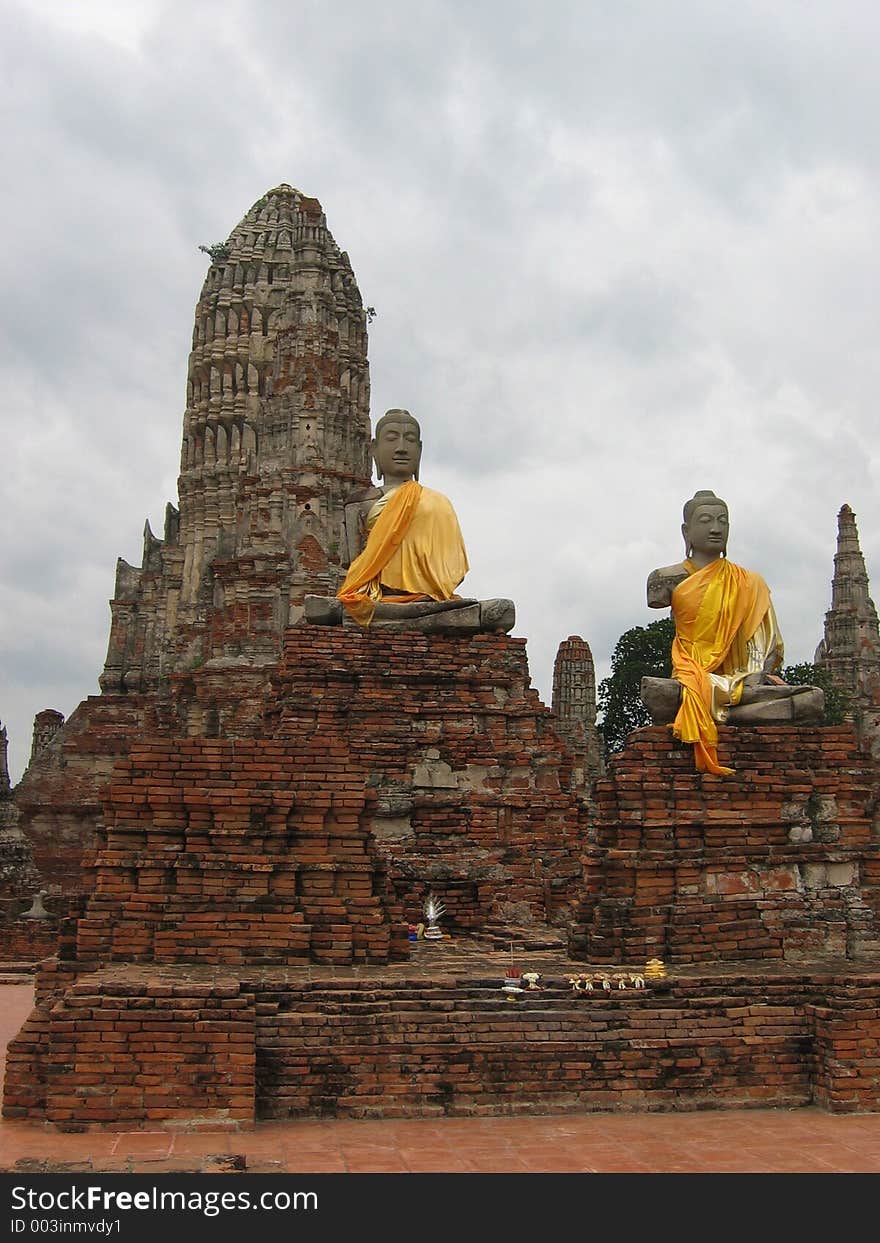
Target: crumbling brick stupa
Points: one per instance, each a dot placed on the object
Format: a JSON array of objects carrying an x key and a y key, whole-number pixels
[{"x": 248, "y": 819}]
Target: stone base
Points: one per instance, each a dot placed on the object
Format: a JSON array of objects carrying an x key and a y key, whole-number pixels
[
  {"x": 194, "y": 1049},
  {"x": 445, "y": 617}
]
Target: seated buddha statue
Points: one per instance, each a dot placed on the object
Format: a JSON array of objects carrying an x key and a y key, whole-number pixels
[
  {"x": 405, "y": 549},
  {"x": 727, "y": 650}
]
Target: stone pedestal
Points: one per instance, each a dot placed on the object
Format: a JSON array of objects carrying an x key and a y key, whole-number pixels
[
  {"x": 780, "y": 861},
  {"x": 475, "y": 794}
]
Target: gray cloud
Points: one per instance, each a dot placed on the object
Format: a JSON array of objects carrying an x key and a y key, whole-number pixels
[{"x": 618, "y": 252}]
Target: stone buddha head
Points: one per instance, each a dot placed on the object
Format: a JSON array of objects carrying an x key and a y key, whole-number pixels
[
  {"x": 705, "y": 528},
  {"x": 397, "y": 447}
]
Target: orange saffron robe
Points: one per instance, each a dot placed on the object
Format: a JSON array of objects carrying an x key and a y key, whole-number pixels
[
  {"x": 725, "y": 629},
  {"x": 414, "y": 551}
]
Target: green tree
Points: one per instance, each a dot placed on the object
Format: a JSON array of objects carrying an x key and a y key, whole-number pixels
[
  {"x": 837, "y": 701},
  {"x": 643, "y": 651}
]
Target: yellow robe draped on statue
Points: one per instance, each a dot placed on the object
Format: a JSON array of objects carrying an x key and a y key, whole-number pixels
[
  {"x": 725, "y": 629},
  {"x": 414, "y": 551}
]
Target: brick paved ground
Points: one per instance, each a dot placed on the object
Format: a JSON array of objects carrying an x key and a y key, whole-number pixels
[{"x": 747, "y": 1141}]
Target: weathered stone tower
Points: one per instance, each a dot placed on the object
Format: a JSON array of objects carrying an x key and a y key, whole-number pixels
[
  {"x": 46, "y": 725},
  {"x": 850, "y": 649},
  {"x": 275, "y": 433},
  {"x": 574, "y": 702}
]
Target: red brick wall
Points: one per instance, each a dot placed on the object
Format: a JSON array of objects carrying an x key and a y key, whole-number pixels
[
  {"x": 475, "y": 797},
  {"x": 149, "y": 1048},
  {"x": 27, "y": 940},
  {"x": 474, "y": 791},
  {"x": 139, "y": 1052},
  {"x": 229, "y": 852},
  {"x": 847, "y": 1054},
  {"x": 779, "y": 861}
]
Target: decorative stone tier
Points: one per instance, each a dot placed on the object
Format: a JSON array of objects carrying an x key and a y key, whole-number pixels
[
  {"x": 475, "y": 796},
  {"x": 230, "y": 852},
  {"x": 184, "y": 1047},
  {"x": 780, "y": 861}
]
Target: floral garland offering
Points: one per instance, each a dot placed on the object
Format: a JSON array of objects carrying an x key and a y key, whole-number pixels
[{"x": 588, "y": 982}]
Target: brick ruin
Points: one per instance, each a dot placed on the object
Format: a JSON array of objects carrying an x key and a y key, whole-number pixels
[
  {"x": 275, "y": 436},
  {"x": 778, "y": 863},
  {"x": 46, "y": 725},
  {"x": 574, "y": 703},
  {"x": 27, "y": 931},
  {"x": 850, "y": 647},
  {"x": 239, "y": 832}
]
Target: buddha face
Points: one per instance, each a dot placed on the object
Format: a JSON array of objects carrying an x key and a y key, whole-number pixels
[
  {"x": 705, "y": 533},
  {"x": 397, "y": 450}
]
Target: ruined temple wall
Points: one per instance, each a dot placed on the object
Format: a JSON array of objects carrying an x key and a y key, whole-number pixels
[
  {"x": 472, "y": 793},
  {"x": 60, "y": 796},
  {"x": 22, "y": 939},
  {"x": 462, "y": 1048}
]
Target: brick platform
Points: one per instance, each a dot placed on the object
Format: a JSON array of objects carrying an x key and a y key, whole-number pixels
[
  {"x": 472, "y": 793},
  {"x": 475, "y": 794},
  {"x": 780, "y": 861},
  {"x": 186, "y": 1047},
  {"x": 139, "y": 1050},
  {"x": 230, "y": 852},
  {"x": 365, "y": 770}
]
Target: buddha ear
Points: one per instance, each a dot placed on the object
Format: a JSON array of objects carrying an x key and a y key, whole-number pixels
[
  {"x": 687, "y": 546},
  {"x": 379, "y": 473},
  {"x": 418, "y": 463}
]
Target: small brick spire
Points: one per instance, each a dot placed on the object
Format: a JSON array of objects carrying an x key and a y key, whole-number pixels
[
  {"x": 574, "y": 701},
  {"x": 850, "y": 649}
]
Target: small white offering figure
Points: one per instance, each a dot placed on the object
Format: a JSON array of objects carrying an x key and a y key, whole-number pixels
[{"x": 433, "y": 910}]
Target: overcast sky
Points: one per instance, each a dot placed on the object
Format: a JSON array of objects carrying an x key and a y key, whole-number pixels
[{"x": 619, "y": 251}]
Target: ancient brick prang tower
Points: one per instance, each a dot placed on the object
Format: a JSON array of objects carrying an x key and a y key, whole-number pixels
[
  {"x": 275, "y": 434},
  {"x": 574, "y": 702},
  {"x": 46, "y": 725},
  {"x": 850, "y": 650}
]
